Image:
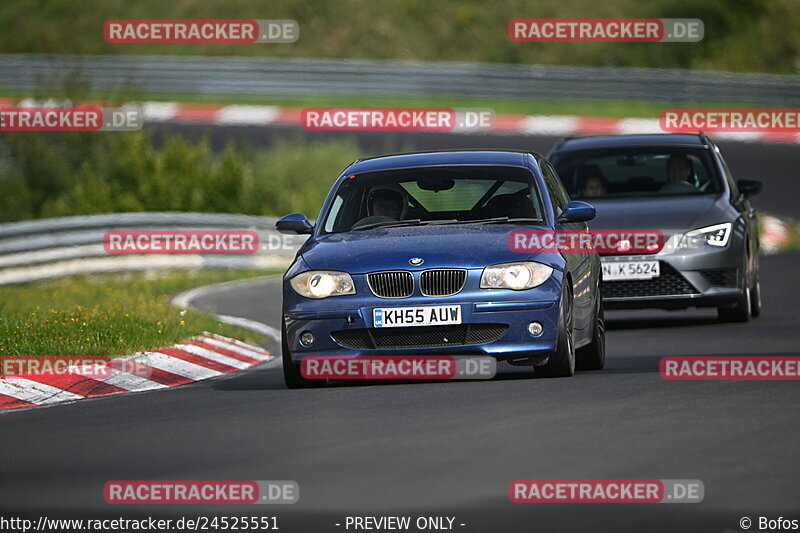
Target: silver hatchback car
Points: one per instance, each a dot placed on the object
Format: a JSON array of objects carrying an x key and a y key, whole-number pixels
[{"x": 678, "y": 184}]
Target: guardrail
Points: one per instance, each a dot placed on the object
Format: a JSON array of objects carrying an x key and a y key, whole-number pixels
[
  {"x": 292, "y": 77},
  {"x": 55, "y": 247}
]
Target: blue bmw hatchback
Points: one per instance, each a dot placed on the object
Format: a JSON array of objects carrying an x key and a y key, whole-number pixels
[{"x": 410, "y": 255}]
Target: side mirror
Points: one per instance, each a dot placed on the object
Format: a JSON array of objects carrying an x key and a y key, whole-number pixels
[
  {"x": 577, "y": 212},
  {"x": 296, "y": 223},
  {"x": 749, "y": 188}
]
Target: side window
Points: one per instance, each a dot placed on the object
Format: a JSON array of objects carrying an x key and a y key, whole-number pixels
[
  {"x": 333, "y": 214},
  {"x": 555, "y": 189}
]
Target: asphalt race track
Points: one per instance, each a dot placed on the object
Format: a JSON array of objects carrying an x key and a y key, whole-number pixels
[{"x": 451, "y": 448}]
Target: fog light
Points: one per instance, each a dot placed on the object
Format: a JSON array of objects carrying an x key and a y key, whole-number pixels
[
  {"x": 306, "y": 338},
  {"x": 535, "y": 329}
]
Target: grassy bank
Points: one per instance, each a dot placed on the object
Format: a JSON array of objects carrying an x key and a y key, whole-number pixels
[
  {"x": 448, "y": 30},
  {"x": 106, "y": 315}
]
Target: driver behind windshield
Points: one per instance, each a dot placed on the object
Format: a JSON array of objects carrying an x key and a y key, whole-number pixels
[
  {"x": 680, "y": 174},
  {"x": 679, "y": 168},
  {"x": 386, "y": 203}
]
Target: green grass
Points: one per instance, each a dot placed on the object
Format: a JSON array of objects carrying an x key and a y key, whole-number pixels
[
  {"x": 115, "y": 314},
  {"x": 740, "y": 35},
  {"x": 589, "y": 108}
]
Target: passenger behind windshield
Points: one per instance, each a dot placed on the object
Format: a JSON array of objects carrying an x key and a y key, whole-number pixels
[{"x": 592, "y": 182}]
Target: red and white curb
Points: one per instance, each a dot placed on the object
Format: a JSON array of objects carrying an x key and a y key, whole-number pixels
[
  {"x": 774, "y": 234},
  {"x": 555, "y": 125},
  {"x": 508, "y": 124},
  {"x": 202, "y": 357}
]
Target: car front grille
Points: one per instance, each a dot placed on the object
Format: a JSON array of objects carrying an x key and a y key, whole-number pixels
[
  {"x": 445, "y": 282},
  {"x": 397, "y": 284},
  {"x": 721, "y": 278},
  {"x": 419, "y": 336},
  {"x": 669, "y": 283}
]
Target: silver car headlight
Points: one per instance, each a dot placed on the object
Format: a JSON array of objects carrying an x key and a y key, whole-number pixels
[
  {"x": 322, "y": 284},
  {"x": 515, "y": 276},
  {"x": 717, "y": 235}
]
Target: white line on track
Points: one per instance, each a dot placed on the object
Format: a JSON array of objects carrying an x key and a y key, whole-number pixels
[{"x": 184, "y": 301}]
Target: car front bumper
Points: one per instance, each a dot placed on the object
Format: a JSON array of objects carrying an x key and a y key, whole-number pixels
[
  {"x": 711, "y": 278},
  {"x": 493, "y": 322}
]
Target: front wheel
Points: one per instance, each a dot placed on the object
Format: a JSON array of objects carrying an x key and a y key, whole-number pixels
[
  {"x": 593, "y": 356},
  {"x": 561, "y": 363},
  {"x": 741, "y": 311},
  {"x": 755, "y": 293}
]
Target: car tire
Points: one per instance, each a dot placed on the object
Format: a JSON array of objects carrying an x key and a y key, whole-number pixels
[
  {"x": 593, "y": 356},
  {"x": 741, "y": 310},
  {"x": 561, "y": 363},
  {"x": 755, "y": 294},
  {"x": 291, "y": 372}
]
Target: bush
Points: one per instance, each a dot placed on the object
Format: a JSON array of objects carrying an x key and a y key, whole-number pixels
[
  {"x": 740, "y": 35},
  {"x": 50, "y": 175}
]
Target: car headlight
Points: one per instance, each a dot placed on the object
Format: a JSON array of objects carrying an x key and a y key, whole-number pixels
[
  {"x": 717, "y": 235},
  {"x": 322, "y": 284},
  {"x": 515, "y": 276}
]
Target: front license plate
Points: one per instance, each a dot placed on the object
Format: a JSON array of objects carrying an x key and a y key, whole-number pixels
[
  {"x": 630, "y": 270},
  {"x": 398, "y": 317}
]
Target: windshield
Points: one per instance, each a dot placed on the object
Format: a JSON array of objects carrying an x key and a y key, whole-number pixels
[
  {"x": 594, "y": 174},
  {"x": 434, "y": 195}
]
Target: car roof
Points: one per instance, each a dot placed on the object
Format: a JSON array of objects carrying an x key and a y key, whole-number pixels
[
  {"x": 623, "y": 141},
  {"x": 440, "y": 158}
]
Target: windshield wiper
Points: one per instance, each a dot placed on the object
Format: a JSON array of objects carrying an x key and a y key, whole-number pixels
[
  {"x": 401, "y": 223},
  {"x": 387, "y": 224},
  {"x": 501, "y": 220}
]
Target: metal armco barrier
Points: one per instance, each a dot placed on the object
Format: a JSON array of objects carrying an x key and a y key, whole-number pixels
[
  {"x": 281, "y": 77},
  {"x": 55, "y": 247}
]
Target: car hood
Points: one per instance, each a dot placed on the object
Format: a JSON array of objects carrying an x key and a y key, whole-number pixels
[
  {"x": 471, "y": 246},
  {"x": 664, "y": 213}
]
